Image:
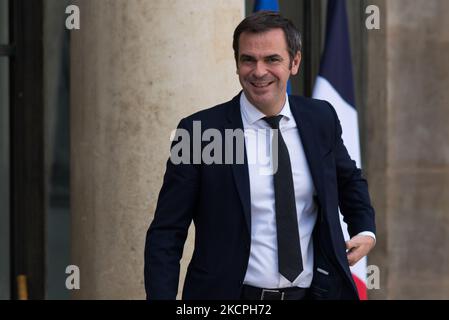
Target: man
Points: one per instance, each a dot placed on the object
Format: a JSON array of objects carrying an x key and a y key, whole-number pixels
[{"x": 258, "y": 235}]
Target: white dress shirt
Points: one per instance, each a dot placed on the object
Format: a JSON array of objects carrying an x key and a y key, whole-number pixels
[
  {"x": 263, "y": 261},
  {"x": 263, "y": 269}
]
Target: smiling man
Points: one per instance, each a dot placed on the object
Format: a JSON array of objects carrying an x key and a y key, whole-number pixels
[
  {"x": 257, "y": 235},
  {"x": 264, "y": 66}
]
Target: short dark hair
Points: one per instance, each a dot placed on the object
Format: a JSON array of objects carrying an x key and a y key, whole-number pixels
[{"x": 262, "y": 21}]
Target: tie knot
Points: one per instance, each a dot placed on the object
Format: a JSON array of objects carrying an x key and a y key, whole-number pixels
[{"x": 273, "y": 121}]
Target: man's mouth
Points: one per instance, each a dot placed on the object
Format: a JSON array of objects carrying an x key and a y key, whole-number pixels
[{"x": 263, "y": 84}]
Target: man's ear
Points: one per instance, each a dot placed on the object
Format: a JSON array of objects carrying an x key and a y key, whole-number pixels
[{"x": 296, "y": 63}]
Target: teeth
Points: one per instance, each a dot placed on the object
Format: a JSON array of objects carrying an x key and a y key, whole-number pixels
[{"x": 261, "y": 85}]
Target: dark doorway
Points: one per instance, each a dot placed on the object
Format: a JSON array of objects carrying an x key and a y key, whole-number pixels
[{"x": 26, "y": 151}]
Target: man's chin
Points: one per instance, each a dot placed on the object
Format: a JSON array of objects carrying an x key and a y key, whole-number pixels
[
  {"x": 259, "y": 97},
  {"x": 261, "y": 104}
]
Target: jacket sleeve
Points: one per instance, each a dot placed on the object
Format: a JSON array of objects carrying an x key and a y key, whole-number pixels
[
  {"x": 353, "y": 197},
  {"x": 168, "y": 231}
]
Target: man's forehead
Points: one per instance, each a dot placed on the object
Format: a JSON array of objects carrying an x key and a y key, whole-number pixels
[
  {"x": 276, "y": 34},
  {"x": 265, "y": 43}
]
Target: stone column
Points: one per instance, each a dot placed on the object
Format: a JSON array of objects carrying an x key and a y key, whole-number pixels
[
  {"x": 408, "y": 152},
  {"x": 137, "y": 68}
]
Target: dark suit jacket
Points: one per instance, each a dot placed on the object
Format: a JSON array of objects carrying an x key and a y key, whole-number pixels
[{"x": 217, "y": 198}]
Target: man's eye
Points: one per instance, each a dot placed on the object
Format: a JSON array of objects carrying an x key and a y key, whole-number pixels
[{"x": 273, "y": 59}]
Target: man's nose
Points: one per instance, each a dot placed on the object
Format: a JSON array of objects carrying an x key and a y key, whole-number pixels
[{"x": 260, "y": 69}]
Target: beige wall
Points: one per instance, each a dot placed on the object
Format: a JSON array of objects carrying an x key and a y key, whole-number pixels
[
  {"x": 137, "y": 67},
  {"x": 407, "y": 147}
]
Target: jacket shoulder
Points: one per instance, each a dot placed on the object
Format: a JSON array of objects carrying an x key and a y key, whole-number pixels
[
  {"x": 311, "y": 104},
  {"x": 218, "y": 111},
  {"x": 213, "y": 117}
]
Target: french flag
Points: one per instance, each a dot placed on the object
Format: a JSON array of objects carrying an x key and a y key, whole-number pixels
[
  {"x": 271, "y": 5},
  {"x": 335, "y": 84}
]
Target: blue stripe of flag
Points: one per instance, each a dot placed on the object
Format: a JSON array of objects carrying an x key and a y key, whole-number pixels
[{"x": 266, "y": 5}]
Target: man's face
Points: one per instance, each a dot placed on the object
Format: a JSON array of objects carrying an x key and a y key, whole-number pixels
[{"x": 264, "y": 67}]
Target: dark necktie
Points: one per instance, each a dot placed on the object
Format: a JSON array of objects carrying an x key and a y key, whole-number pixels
[{"x": 289, "y": 248}]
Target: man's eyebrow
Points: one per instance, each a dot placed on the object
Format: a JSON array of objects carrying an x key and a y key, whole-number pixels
[
  {"x": 246, "y": 56},
  {"x": 274, "y": 56}
]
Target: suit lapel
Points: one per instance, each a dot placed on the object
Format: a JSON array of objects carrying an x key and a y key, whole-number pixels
[
  {"x": 240, "y": 171},
  {"x": 304, "y": 122}
]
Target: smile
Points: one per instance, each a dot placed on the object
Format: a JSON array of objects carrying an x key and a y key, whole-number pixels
[{"x": 261, "y": 84}]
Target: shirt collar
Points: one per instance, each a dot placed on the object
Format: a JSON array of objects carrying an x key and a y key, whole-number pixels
[{"x": 252, "y": 114}]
